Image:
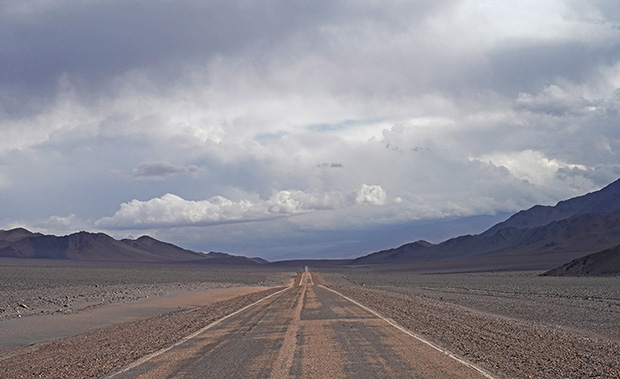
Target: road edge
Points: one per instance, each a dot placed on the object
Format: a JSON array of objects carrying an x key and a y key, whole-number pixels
[
  {"x": 412, "y": 334},
  {"x": 157, "y": 353}
]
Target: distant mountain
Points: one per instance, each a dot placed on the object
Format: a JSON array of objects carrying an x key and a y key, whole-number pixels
[
  {"x": 400, "y": 254},
  {"x": 84, "y": 246},
  {"x": 234, "y": 259},
  {"x": 217, "y": 254},
  {"x": 603, "y": 202},
  {"x": 298, "y": 264},
  {"x": 602, "y": 263},
  {"x": 548, "y": 236}
]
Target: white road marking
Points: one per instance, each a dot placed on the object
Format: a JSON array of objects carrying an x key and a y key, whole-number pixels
[
  {"x": 157, "y": 353},
  {"x": 404, "y": 330}
]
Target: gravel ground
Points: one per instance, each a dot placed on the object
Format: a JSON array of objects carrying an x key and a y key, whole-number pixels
[
  {"x": 95, "y": 353},
  {"x": 588, "y": 306},
  {"x": 479, "y": 317},
  {"x": 515, "y": 326},
  {"x": 28, "y": 291}
]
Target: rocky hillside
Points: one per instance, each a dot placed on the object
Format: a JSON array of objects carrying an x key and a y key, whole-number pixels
[
  {"x": 603, "y": 202},
  {"x": 571, "y": 229},
  {"x": 602, "y": 263}
]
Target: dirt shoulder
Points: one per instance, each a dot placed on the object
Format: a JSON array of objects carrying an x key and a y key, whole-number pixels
[
  {"x": 97, "y": 352},
  {"x": 510, "y": 348},
  {"x": 25, "y": 331},
  {"x": 27, "y": 291}
]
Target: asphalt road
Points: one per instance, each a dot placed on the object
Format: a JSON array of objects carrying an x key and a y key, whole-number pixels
[{"x": 306, "y": 331}]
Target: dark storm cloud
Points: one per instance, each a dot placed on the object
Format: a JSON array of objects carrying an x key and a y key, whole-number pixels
[
  {"x": 528, "y": 67},
  {"x": 96, "y": 40},
  {"x": 161, "y": 170},
  {"x": 601, "y": 175},
  {"x": 328, "y": 114},
  {"x": 330, "y": 165}
]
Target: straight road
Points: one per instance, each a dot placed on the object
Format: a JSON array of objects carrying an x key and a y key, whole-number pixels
[{"x": 305, "y": 331}]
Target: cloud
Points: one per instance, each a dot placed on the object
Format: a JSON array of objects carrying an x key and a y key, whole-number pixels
[
  {"x": 553, "y": 100},
  {"x": 171, "y": 210},
  {"x": 289, "y": 202},
  {"x": 279, "y": 112},
  {"x": 57, "y": 225},
  {"x": 161, "y": 170},
  {"x": 3, "y": 182},
  {"x": 60, "y": 225},
  {"x": 374, "y": 195},
  {"x": 45, "y": 41},
  {"x": 531, "y": 166},
  {"x": 330, "y": 165}
]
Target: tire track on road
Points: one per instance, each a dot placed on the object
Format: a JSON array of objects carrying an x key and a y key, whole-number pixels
[
  {"x": 284, "y": 361},
  {"x": 149, "y": 357},
  {"x": 404, "y": 330}
]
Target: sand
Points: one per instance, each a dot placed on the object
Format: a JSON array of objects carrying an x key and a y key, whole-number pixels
[{"x": 28, "y": 330}]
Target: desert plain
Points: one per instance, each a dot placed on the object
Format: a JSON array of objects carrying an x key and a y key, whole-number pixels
[{"x": 512, "y": 325}]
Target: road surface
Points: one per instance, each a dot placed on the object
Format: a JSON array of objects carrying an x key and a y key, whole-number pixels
[{"x": 305, "y": 331}]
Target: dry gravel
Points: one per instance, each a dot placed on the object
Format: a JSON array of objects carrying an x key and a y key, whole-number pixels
[
  {"x": 587, "y": 306},
  {"x": 524, "y": 346},
  {"x": 28, "y": 291},
  {"x": 513, "y": 326},
  {"x": 95, "y": 353}
]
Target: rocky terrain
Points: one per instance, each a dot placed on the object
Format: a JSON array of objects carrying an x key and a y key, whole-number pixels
[
  {"x": 602, "y": 263},
  {"x": 27, "y": 291},
  {"x": 95, "y": 353},
  {"x": 514, "y": 326}
]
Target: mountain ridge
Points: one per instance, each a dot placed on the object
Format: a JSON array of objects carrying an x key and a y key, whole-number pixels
[
  {"x": 601, "y": 263},
  {"x": 560, "y": 233},
  {"x": 87, "y": 246},
  {"x": 604, "y": 201},
  {"x": 541, "y": 236}
]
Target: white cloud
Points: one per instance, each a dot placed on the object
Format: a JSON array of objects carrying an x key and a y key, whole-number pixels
[
  {"x": 172, "y": 210},
  {"x": 64, "y": 116},
  {"x": 531, "y": 166},
  {"x": 57, "y": 225},
  {"x": 289, "y": 202},
  {"x": 374, "y": 195}
]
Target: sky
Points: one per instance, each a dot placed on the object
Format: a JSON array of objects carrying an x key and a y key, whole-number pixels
[{"x": 292, "y": 129}]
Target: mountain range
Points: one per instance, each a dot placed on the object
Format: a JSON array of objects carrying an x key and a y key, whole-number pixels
[
  {"x": 84, "y": 246},
  {"x": 540, "y": 238}
]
